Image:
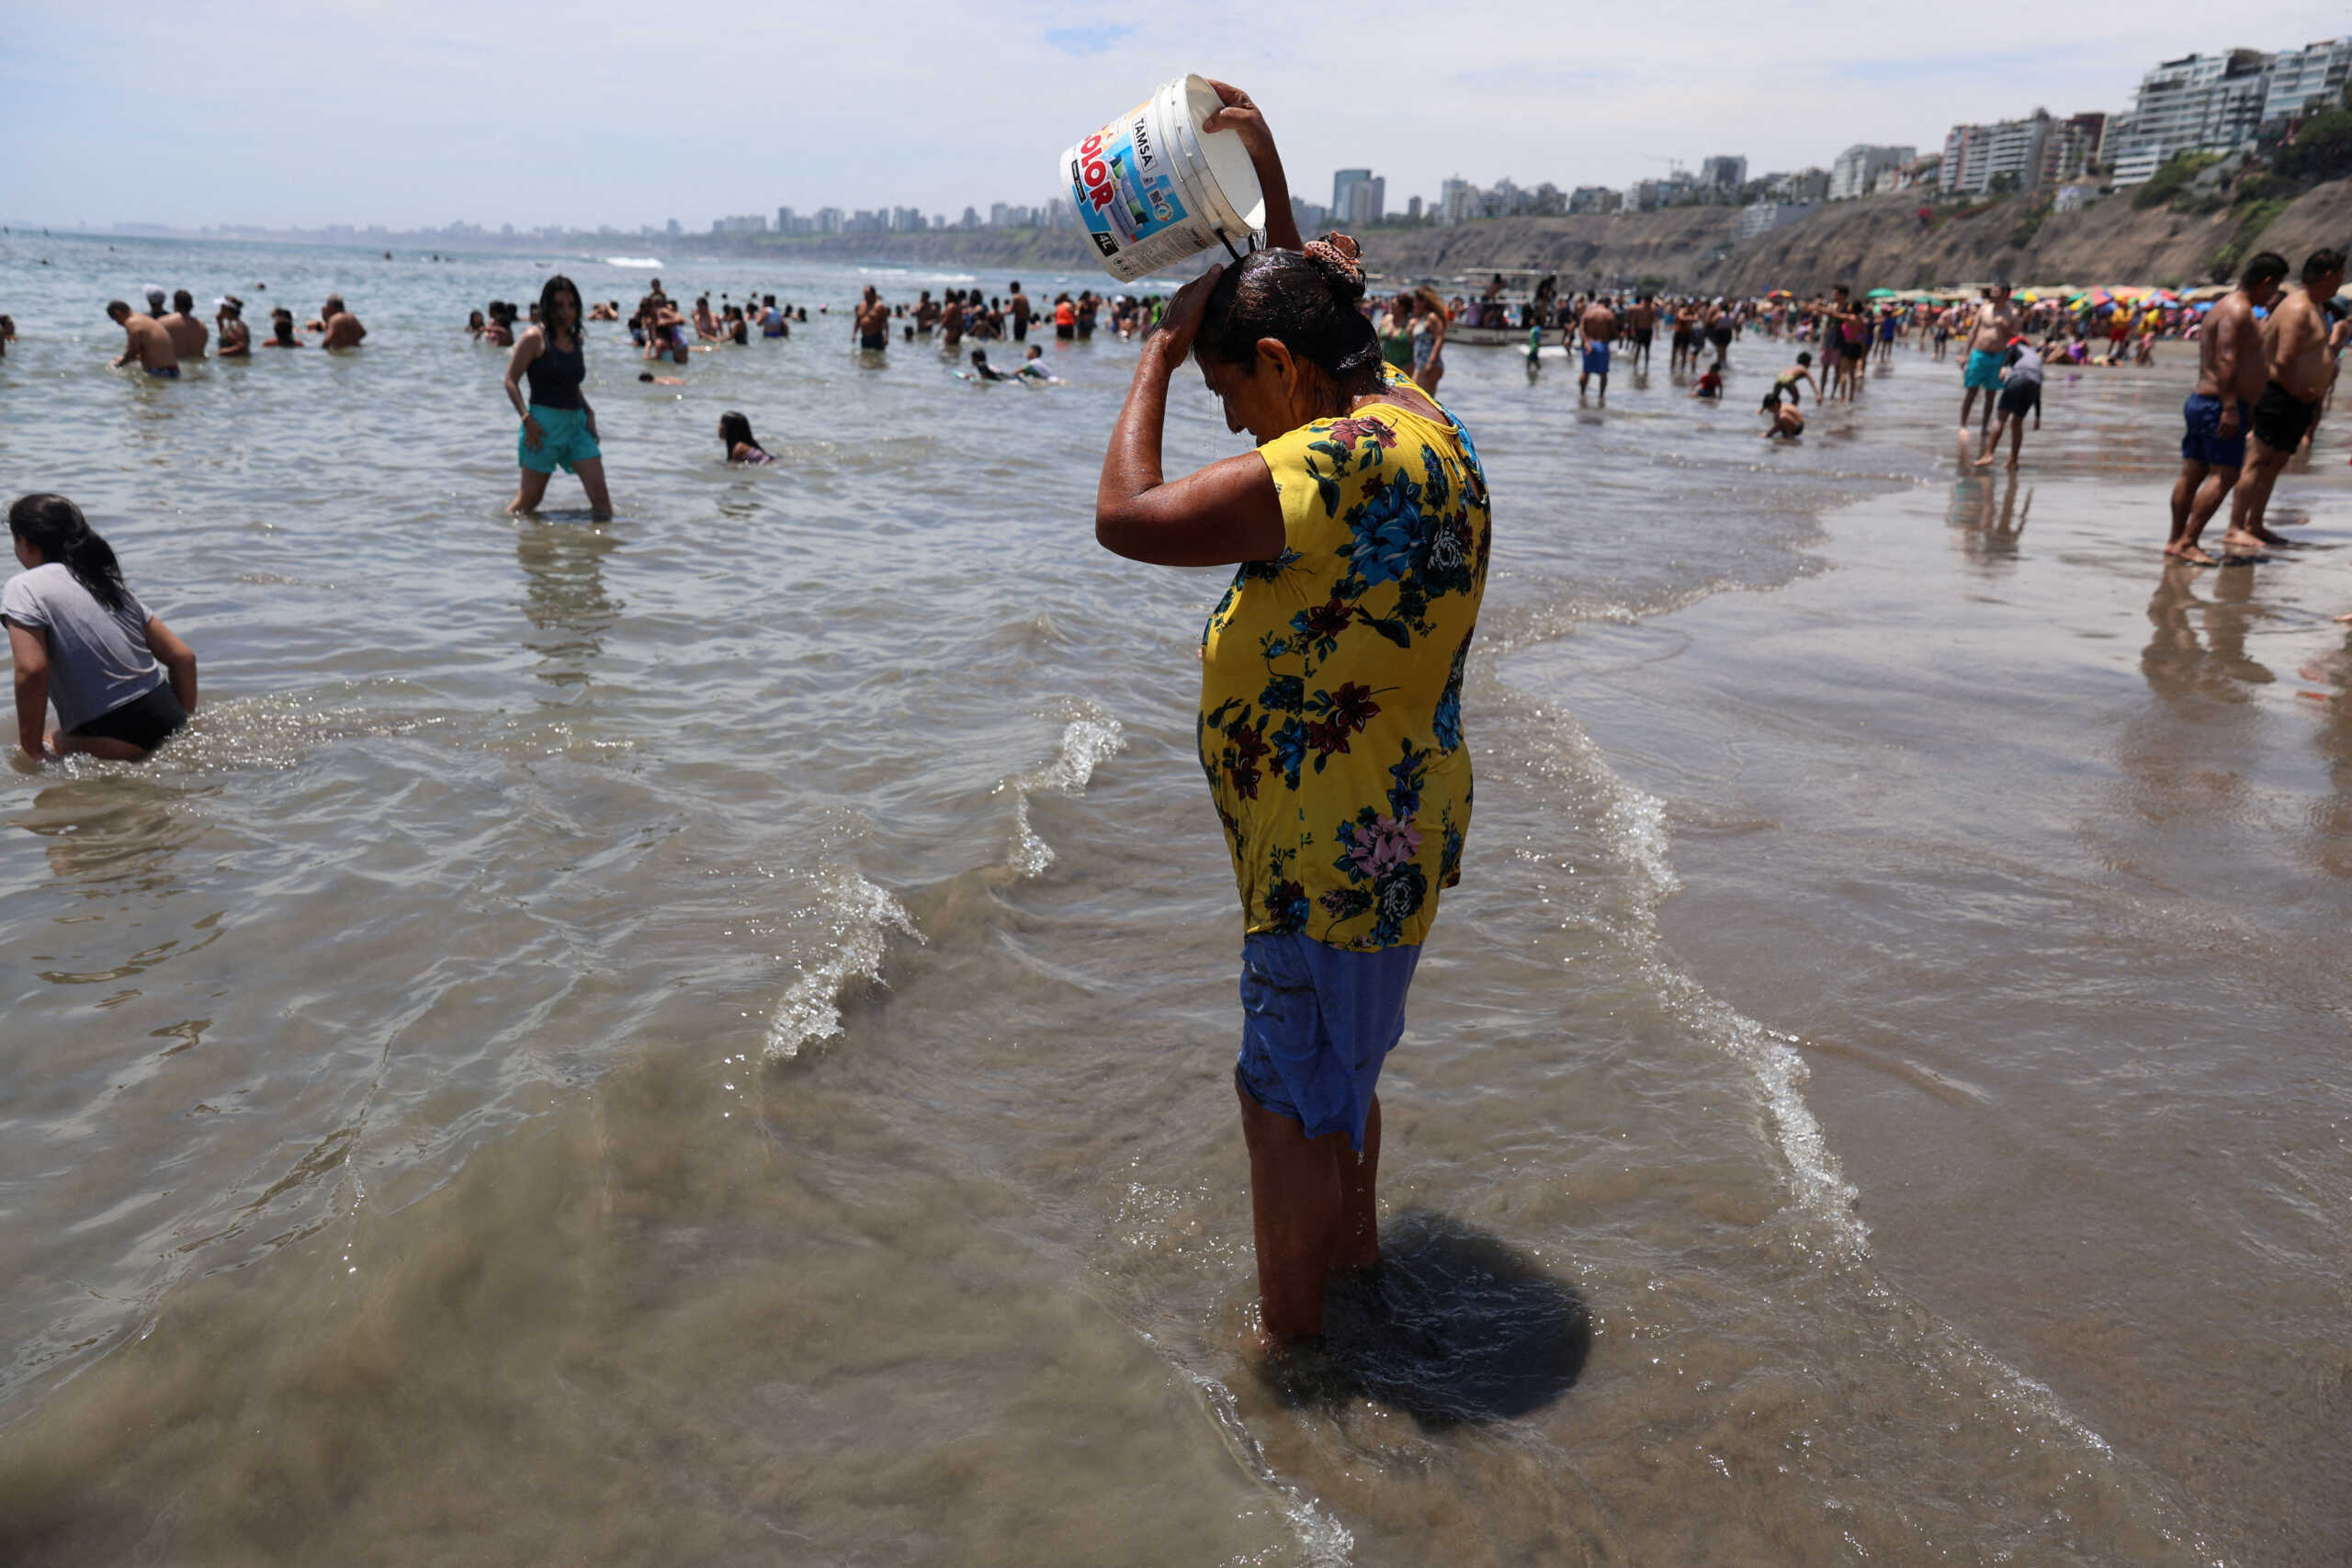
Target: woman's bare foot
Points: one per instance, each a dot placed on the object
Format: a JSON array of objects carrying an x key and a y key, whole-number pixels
[{"x": 2190, "y": 554}]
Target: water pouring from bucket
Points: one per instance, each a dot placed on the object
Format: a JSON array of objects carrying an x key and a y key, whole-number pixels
[{"x": 1157, "y": 186}]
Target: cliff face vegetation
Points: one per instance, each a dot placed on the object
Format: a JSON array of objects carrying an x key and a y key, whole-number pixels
[{"x": 1877, "y": 243}]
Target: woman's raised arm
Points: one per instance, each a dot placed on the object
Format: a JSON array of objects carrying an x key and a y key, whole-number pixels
[
  {"x": 1242, "y": 116},
  {"x": 1220, "y": 516}
]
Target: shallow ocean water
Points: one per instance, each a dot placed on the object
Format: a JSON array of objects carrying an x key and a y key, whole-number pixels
[{"x": 710, "y": 1035}]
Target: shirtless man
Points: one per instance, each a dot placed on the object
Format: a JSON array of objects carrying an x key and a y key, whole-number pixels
[
  {"x": 1641, "y": 326},
  {"x": 873, "y": 321},
  {"x": 1994, "y": 324},
  {"x": 281, "y": 330},
  {"x": 1021, "y": 313},
  {"x": 1599, "y": 324},
  {"x": 343, "y": 330},
  {"x": 1830, "y": 337},
  {"x": 951, "y": 320},
  {"x": 1721, "y": 324},
  {"x": 2297, "y": 338},
  {"x": 187, "y": 333},
  {"x": 2231, "y": 371},
  {"x": 1686, "y": 337},
  {"x": 236, "y": 340},
  {"x": 145, "y": 341}
]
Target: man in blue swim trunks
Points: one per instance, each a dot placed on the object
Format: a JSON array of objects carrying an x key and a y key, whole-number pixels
[
  {"x": 2231, "y": 372},
  {"x": 144, "y": 340},
  {"x": 1600, "y": 324},
  {"x": 1988, "y": 345}
]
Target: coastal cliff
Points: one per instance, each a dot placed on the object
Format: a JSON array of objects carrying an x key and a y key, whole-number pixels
[{"x": 1878, "y": 242}]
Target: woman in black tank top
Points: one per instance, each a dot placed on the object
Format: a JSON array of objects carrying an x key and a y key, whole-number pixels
[{"x": 558, "y": 427}]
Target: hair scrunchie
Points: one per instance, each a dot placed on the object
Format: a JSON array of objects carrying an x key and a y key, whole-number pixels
[{"x": 1340, "y": 253}]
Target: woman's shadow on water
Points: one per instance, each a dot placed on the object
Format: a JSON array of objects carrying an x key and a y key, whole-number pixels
[{"x": 1457, "y": 1327}]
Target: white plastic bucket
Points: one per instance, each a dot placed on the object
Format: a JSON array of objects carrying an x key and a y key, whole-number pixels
[{"x": 1152, "y": 189}]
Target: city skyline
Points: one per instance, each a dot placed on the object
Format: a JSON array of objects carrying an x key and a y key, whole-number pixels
[{"x": 535, "y": 114}]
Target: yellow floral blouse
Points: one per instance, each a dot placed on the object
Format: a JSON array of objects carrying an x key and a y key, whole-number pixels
[{"x": 1330, "y": 719}]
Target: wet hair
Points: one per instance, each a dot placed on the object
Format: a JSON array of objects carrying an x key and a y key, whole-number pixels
[
  {"x": 735, "y": 431},
  {"x": 2322, "y": 263},
  {"x": 55, "y": 526},
  {"x": 334, "y": 303},
  {"x": 114, "y": 305},
  {"x": 555, "y": 289},
  {"x": 183, "y": 301},
  {"x": 1805, "y": 359},
  {"x": 1306, "y": 301},
  {"x": 2264, "y": 266}
]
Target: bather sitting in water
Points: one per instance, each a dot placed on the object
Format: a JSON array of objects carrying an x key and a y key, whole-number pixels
[
  {"x": 120, "y": 681},
  {"x": 743, "y": 446}
]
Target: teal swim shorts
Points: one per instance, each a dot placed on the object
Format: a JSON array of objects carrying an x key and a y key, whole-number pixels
[
  {"x": 1984, "y": 371},
  {"x": 566, "y": 442}
]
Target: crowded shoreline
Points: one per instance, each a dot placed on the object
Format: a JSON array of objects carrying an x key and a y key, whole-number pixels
[{"x": 891, "y": 765}]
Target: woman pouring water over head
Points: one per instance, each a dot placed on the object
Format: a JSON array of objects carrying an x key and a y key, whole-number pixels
[{"x": 1329, "y": 721}]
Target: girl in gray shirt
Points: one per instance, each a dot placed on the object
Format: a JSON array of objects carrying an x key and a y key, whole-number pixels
[{"x": 80, "y": 639}]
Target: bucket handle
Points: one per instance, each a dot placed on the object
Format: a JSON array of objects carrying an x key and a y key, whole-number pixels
[{"x": 1237, "y": 256}]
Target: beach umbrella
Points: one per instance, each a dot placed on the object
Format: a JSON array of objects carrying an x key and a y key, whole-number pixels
[{"x": 1880, "y": 294}]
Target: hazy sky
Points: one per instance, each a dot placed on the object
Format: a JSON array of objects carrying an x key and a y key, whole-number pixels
[{"x": 409, "y": 112}]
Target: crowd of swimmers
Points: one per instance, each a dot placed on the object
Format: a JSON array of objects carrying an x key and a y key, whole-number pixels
[
  {"x": 159, "y": 339},
  {"x": 2267, "y": 357}
]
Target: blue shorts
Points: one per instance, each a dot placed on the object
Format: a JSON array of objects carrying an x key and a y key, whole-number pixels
[
  {"x": 1984, "y": 370},
  {"x": 564, "y": 441},
  {"x": 1596, "y": 359},
  {"x": 2204, "y": 443},
  {"x": 1317, "y": 1023},
  {"x": 163, "y": 372}
]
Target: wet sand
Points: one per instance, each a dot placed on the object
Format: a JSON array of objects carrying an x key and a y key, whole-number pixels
[{"x": 2041, "y": 846}]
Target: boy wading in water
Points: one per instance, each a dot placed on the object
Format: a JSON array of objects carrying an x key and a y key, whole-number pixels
[{"x": 1331, "y": 711}]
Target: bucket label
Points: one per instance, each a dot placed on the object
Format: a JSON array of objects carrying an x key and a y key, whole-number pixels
[{"x": 1123, "y": 185}]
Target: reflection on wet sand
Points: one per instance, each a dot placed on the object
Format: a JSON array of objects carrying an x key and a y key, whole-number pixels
[
  {"x": 2177, "y": 663},
  {"x": 2331, "y": 818},
  {"x": 1988, "y": 516},
  {"x": 565, "y": 596},
  {"x": 109, "y": 835}
]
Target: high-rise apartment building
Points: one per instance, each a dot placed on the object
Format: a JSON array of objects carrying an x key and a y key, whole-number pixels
[
  {"x": 2208, "y": 103},
  {"x": 1357, "y": 198},
  {"x": 2297, "y": 77},
  {"x": 1854, "y": 173},
  {"x": 2020, "y": 154}
]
